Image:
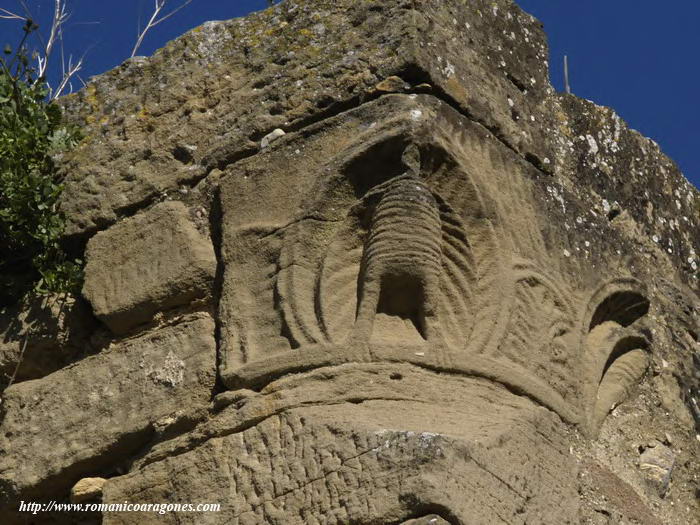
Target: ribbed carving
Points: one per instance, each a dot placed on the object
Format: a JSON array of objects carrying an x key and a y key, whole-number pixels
[
  {"x": 406, "y": 232},
  {"x": 402, "y": 260}
]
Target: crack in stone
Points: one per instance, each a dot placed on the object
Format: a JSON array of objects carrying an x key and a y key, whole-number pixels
[
  {"x": 253, "y": 422},
  {"x": 496, "y": 476},
  {"x": 297, "y": 221},
  {"x": 310, "y": 482}
]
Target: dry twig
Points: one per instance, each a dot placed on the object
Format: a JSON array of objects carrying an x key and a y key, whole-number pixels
[{"x": 154, "y": 21}]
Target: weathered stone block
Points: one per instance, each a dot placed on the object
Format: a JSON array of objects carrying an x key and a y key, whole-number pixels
[
  {"x": 324, "y": 451},
  {"x": 41, "y": 335},
  {"x": 73, "y": 422},
  {"x": 216, "y": 91},
  {"x": 149, "y": 263},
  {"x": 442, "y": 284}
]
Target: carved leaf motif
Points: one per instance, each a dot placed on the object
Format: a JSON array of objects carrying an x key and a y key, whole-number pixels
[{"x": 615, "y": 347}]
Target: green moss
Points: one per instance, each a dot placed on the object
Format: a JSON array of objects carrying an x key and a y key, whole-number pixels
[{"x": 31, "y": 226}]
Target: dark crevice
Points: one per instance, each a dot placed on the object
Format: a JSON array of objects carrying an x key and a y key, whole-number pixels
[
  {"x": 536, "y": 162},
  {"x": 420, "y": 509},
  {"x": 225, "y": 156},
  {"x": 215, "y": 222},
  {"x": 416, "y": 75},
  {"x": 182, "y": 154},
  {"x": 330, "y": 110},
  {"x": 421, "y": 82},
  {"x": 184, "y": 425},
  {"x": 517, "y": 83},
  {"x": 624, "y": 308}
]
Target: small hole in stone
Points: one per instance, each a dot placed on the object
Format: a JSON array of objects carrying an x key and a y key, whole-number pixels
[
  {"x": 612, "y": 214},
  {"x": 396, "y": 376},
  {"x": 182, "y": 154}
]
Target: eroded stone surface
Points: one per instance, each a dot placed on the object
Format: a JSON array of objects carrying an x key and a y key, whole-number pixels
[
  {"x": 215, "y": 92},
  {"x": 322, "y": 451},
  {"x": 147, "y": 264},
  {"x": 83, "y": 418},
  {"x": 445, "y": 291},
  {"x": 657, "y": 462},
  {"x": 42, "y": 335}
]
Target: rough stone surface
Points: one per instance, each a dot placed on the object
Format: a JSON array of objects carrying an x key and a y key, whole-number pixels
[
  {"x": 657, "y": 463},
  {"x": 93, "y": 415},
  {"x": 443, "y": 293},
  {"x": 147, "y": 264},
  {"x": 318, "y": 453},
  {"x": 42, "y": 335}
]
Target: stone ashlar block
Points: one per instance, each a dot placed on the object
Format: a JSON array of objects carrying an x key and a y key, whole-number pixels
[
  {"x": 151, "y": 262},
  {"x": 76, "y": 421}
]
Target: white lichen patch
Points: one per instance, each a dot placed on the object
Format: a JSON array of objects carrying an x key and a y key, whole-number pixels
[
  {"x": 401, "y": 439},
  {"x": 592, "y": 145},
  {"x": 170, "y": 373}
]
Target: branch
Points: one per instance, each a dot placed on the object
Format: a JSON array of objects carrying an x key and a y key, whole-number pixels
[
  {"x": 154, "y": 21},
  {"x": 68, "y": 73},
  {"x": 9, "y": 15},
  {"x": 60, "y": 16}
]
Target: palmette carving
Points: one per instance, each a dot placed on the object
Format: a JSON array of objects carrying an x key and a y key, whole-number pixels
[{"x": 400, "y": 273}]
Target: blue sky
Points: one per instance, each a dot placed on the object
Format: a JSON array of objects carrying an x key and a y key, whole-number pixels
[{"x": 637, "y": 56}]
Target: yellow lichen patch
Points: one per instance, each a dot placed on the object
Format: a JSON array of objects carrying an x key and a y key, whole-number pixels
[
  {"x": 561, "y": 116},
  {"x": 564, "y": 127},
  {"x": 91, "y": 98}
]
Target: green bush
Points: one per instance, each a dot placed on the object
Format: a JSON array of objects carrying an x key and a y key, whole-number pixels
[{"x": 31, "y": 226}]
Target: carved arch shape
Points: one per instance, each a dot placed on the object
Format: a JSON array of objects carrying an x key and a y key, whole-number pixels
[
  {"x": 615, "y": 345},
  {"x": 329, "y": 260}
]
